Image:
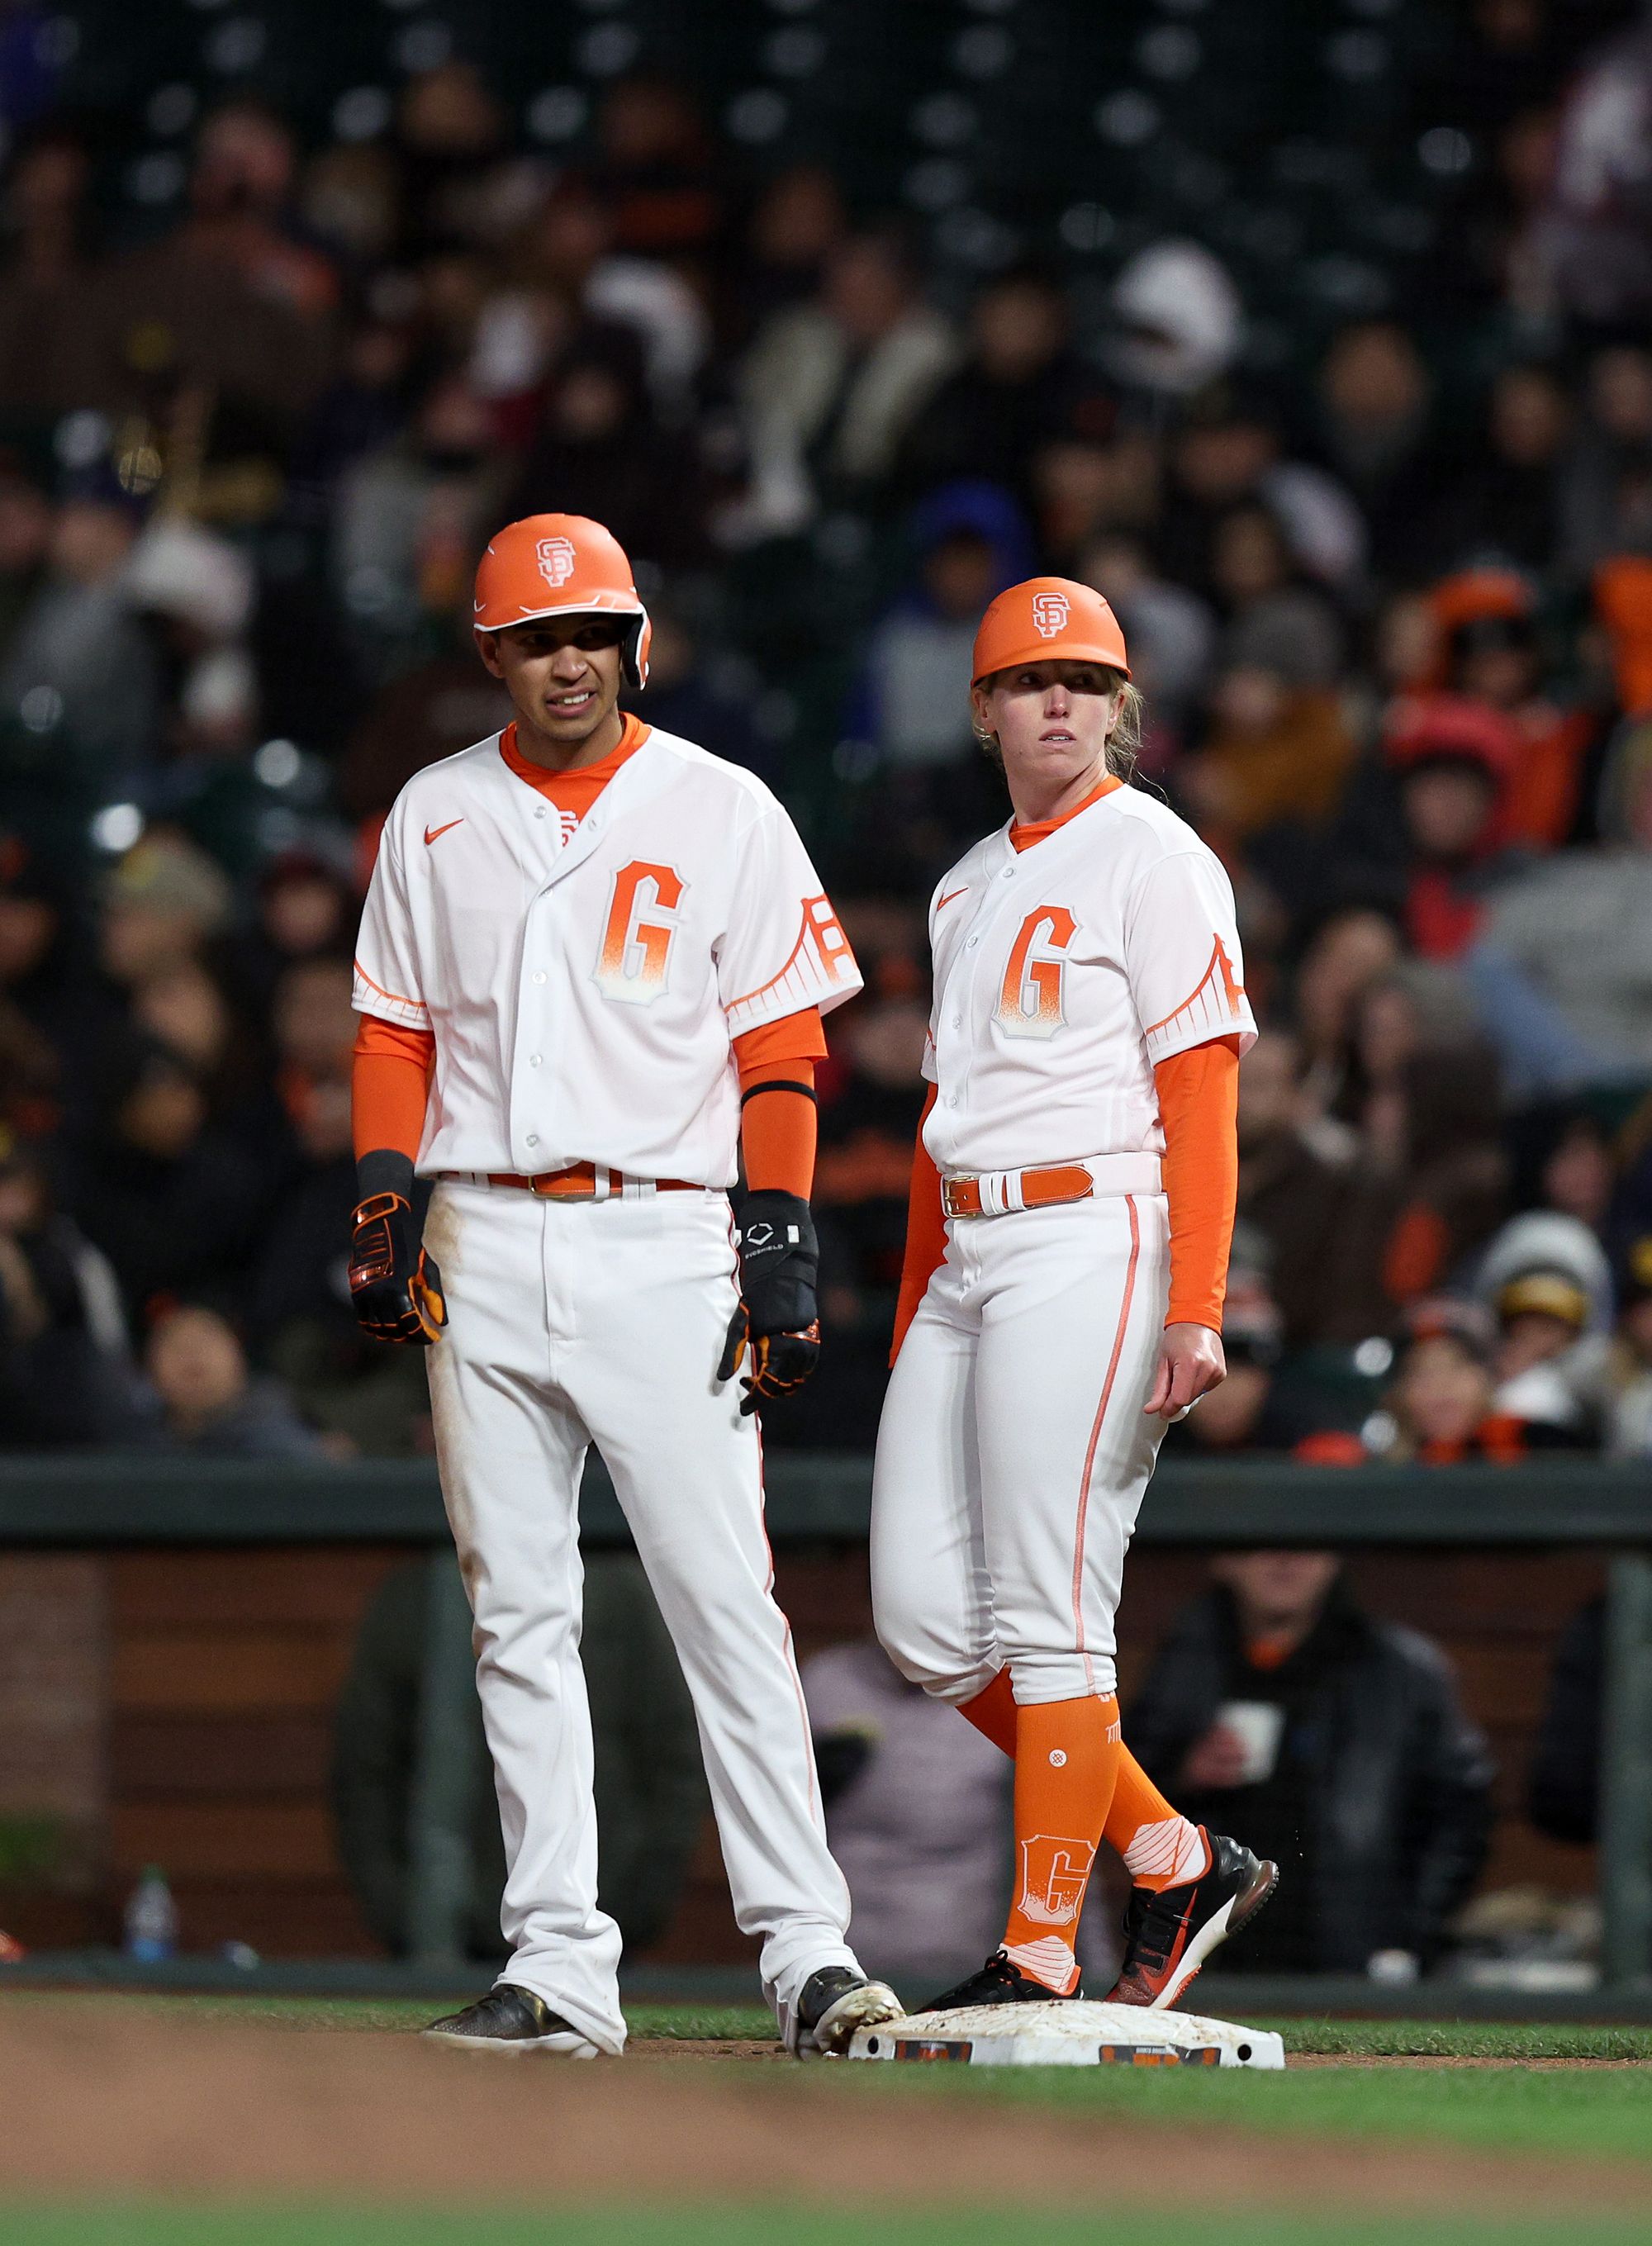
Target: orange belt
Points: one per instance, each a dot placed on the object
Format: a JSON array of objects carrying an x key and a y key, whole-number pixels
[
  {"x": 998, "y": 1193},
  {"x": 580, "y": 1182},
  {"x": 1038, "y": 1189}
]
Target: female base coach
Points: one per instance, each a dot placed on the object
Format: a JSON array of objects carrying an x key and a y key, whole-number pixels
[{"x": 1073, "y": 1204}]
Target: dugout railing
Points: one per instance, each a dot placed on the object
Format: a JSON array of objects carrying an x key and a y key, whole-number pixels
[{"x": 87, "y": 1503}]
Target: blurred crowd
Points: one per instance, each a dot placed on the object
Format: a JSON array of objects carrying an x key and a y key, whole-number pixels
[{"x": 1387, "y": 590}]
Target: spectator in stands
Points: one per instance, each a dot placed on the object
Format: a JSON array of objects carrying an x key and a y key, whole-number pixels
[
  {"x": 208, "y": 1402},
  {"x": 1442, "y": 1396},
  {"x": 1350, "y": 950},
  {"x": 1629, "y": 1368},
  {"x": 1603, "y": 491},
  {"x": 599, "y": 452},
  {"x": 1573, "y": 932},
  {"x": 1507, "y": 503},
  {"x": 971, "y": 541},
  {"x": 830, "y": 389},
  {"x": 1020, "y": 387},
  {"x": 79, "y": 666},
  {"x": 66, "y": 1377},
  {"x": 1547, "y": 1283},
  {"x": 1455, "y": 763},
  {"x": 649, "y": 1784},
  {"x": 1316, "y": 1216},
  {"x": 172, "y": 1201},
  {"x": 162, "y": 904},
  {"x": 659, "y": 172},
  {"x": 1339, "y": 1742},
  {"x": 1449, "y": 1182},
  {"x": 1274, "y": 620},
  {"x": 798, "y": 220},
  {"x": 1494, "y": 654},
  {"x": 1275, "y": 752},
  {"x": 1377, "y": 435}
]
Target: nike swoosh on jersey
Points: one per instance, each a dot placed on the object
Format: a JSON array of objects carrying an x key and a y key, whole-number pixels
[
  {"x": 951, "y": 897},
  {"x": 430, "y": 832}
]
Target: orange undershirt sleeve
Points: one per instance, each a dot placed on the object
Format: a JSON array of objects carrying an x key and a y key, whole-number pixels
[
  {"x": 778, "y": 1119},
  {"x": 926, "y": 1233},
  {"x": 389, "y": 1086},
  {"x": 1199, "y": 1106}
]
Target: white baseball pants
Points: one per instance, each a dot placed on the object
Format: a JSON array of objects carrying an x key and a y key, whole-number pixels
[
  {"x": 1014, "y": 1449},
  {"x": 577, "y": 1323}
]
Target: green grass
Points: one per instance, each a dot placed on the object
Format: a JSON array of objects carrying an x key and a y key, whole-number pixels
[
  {"x": 1578, "y": 2112},
  {"x": 1489, "y": 2039},
  {"x": 1011, "y": 2225},
  {"x": 1458, "y": 2040}
]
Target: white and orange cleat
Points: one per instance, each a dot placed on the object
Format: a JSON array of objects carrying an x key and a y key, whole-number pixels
[{"x": 1169, "y": 1933}]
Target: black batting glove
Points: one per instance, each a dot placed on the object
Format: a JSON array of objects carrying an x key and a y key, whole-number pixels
[
  {"x": 777, "y": 1319},
  {"x": 396, "y": 1286}
]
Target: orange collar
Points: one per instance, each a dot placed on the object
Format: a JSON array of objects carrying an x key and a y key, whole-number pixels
[
  {"x": 587, "y": 781},
  {"x": 1023, "y": 838}
]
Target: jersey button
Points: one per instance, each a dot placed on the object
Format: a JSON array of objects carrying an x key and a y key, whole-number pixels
[
  {"x": 533, "y": 1138},
  {"x": 540, "y": 975},
  {"x": 970, "y": 943},
  {"x": 533, "y": 1059},
  {"x": 958, "y": 1021},
  {"x": 1009, "y": 872},
  {"x": 539, "y": 813}
]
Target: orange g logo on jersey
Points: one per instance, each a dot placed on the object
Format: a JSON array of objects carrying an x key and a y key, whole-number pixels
[
  {"x": 1053, "y": 1875},
  {"x": 1050, "y": 613},
  {"x": 636, "y": 956},
  {"x": 556, "y": 560},
  {"x": 1031, "y": 1003}
]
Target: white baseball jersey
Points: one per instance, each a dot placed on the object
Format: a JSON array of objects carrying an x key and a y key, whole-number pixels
[
  {"x": 584, "y": 989},
  {"x": 1063, "y": 974}
]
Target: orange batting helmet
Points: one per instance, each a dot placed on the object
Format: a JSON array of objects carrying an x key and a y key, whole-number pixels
[
  {"x": 1045, "y": 619},
  {"x": 561, "y": 565}
]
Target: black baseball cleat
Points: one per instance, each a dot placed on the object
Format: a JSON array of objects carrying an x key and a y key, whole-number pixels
[
  {"x": 830, "y": 2006},
  {"x": 999, "y": 1983},
  {"x": 1169, "y": 1936},
  {"x": 511, "y": 2019}
]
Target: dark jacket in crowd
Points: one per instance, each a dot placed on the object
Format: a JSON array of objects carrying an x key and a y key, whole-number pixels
[
  {"x": 1378, "y": 1809},
  {"x": 650, "y": 1781},
  {"x": 1564, "y": 1786}
]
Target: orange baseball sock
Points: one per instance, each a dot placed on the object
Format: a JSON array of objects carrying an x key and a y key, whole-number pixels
[
  {"x": 993, "y": 1712},
  {"x": 1159, "y": 1847},
  {"x": 1066, "y": 1760}
]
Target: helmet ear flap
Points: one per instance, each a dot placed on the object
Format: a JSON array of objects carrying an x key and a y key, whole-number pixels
[{"x": 636, "y": 651}]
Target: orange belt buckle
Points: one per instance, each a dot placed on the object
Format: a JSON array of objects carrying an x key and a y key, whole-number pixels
[{"x": 577, "y": 1182}]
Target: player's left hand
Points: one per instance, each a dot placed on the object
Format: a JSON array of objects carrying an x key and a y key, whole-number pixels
[
  {"x": 777, "y": 1320},
  {"x": 1191, "y": 1363}
]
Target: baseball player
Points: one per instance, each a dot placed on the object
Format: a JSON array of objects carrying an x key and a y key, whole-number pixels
[
  {"x": 593, "y": 964},
  {"x": 1072, "y": 1204}
]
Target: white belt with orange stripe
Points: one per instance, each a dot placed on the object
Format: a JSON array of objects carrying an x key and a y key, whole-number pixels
[{"x": 998, "y": 1193}]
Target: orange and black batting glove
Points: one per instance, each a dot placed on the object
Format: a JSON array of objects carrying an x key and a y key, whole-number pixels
[
  {"x": 776, "y": 1320},
  {"x": 395, "y": 1286}
]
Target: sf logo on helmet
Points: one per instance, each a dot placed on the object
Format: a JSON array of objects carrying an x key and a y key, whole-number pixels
[
  {"x": 557, "y": 560},
  {"x": 1049, "y": 612}
]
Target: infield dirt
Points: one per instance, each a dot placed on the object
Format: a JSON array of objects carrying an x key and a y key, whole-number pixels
[{"x": 99, "y": 2100}]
